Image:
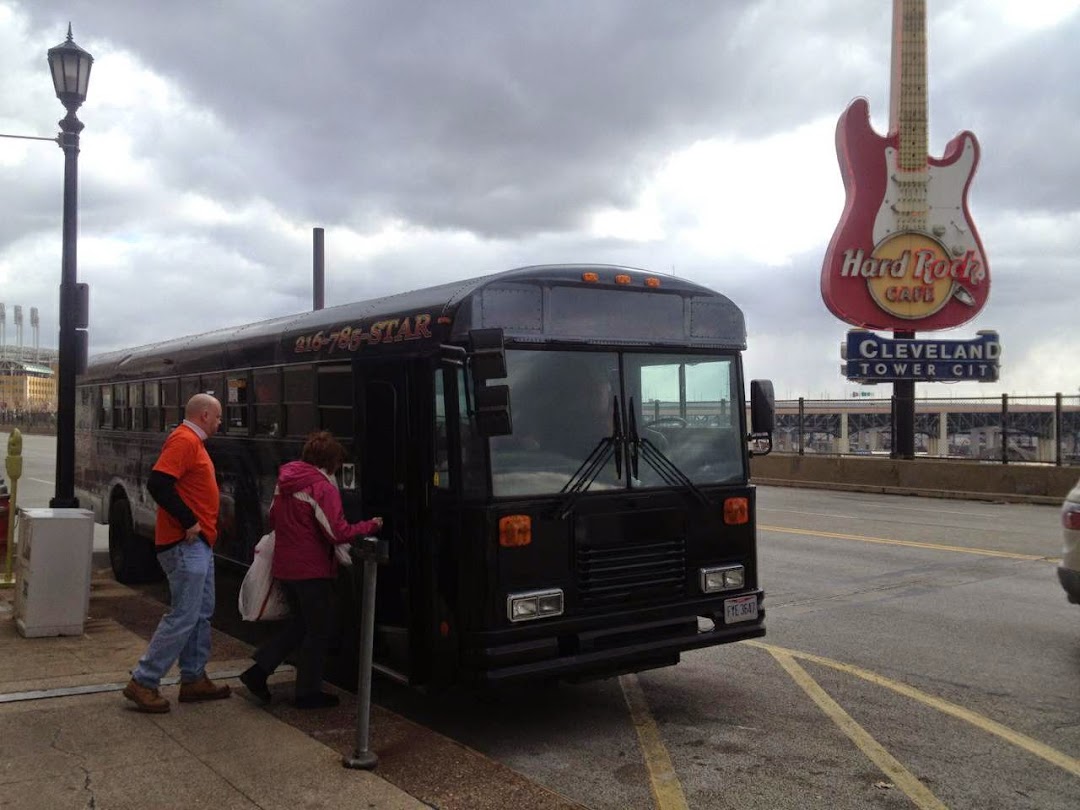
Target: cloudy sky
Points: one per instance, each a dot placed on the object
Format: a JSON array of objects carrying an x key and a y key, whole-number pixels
[{"x": 443, "y": 140}]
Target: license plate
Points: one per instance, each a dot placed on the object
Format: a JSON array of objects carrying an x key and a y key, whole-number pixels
[{"x": 740, "y": 609}]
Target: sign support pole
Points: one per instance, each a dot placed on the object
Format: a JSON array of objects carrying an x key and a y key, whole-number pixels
[{"x": 904, "y": 412}]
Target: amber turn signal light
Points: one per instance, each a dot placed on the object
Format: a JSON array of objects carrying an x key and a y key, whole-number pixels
[
  {"x": 515, "y": 531},
  {"x": 736, "y": 511}
]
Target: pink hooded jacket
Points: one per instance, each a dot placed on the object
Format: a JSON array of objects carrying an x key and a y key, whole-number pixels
[{"x": 308, "y": 522}]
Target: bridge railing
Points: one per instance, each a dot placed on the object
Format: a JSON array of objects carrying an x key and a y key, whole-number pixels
[
  {"x": 34, "y": 421},
  {"x": 1035, "y": 429}
]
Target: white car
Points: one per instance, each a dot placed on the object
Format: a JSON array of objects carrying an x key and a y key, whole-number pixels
[{"x": 1069, "y": 570}]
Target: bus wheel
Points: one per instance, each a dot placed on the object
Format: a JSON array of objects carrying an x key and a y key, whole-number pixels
[{"x": 132, "y": 557}]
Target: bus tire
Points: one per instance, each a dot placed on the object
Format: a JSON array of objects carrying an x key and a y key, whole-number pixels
[{"x": 132, "y": 557}]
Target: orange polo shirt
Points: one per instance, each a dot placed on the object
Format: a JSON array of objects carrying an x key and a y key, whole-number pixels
[{"x": 184, "y": 457}]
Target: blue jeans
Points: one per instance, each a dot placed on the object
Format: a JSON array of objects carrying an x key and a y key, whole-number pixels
[{"x": 183, "y": 632}]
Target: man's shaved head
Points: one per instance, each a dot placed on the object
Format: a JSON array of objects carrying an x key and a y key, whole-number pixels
[{"x": 205, "y": 411}]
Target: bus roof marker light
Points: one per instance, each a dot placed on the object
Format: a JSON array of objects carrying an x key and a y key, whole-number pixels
[
  {"x": 622, "y": 278},
  {"x": 590, "y": 277},
  {"x": 515, "y": 531},
  {"x": 652, "y": 281}
]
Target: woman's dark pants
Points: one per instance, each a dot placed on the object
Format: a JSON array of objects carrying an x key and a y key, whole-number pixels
[{"x": 307, "y": 630}]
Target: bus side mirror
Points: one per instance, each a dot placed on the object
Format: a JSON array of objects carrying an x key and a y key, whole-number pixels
[
  {"x": 762, "y": 417},
  {"x": 762, "y": 406},
  {"x": 487, "y": 358},
  {"x": 487, "y": 361},
  {"x": 493, "y": 410}
]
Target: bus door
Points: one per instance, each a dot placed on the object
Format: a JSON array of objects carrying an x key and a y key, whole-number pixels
[{"x": 384, "y": 473}]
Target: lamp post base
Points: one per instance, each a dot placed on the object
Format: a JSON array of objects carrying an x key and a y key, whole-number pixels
[{"x": 361, "y": 761}]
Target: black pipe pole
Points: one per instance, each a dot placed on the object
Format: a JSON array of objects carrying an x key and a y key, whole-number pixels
[
  {"x": 1004, "y": 428},
  {"x": 1057, "y": 429},
  {"x": 802, "y": 416},
  {"x": 318, "y": 271},
  {"x": 904, "y": 412},
  {"x": 65, "y": 409}
]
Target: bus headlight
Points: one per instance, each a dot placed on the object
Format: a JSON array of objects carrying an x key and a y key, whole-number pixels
[
  {"x": 722, "y": 578},
  {"x": 522, "y": 607}
]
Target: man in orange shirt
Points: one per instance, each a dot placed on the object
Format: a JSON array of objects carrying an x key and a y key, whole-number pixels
[{"x": 184, "y": 485}]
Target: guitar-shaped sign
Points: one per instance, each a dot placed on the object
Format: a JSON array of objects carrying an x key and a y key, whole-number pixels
[{"x": 905, "y": 255}]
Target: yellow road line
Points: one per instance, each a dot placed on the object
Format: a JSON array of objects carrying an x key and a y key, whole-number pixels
[
  {"x": 982, "y": 552},
  {"x": 1032, "y": 746},
  {"x": 906, "y": 781},
  {"x": 665, "y": 784}
]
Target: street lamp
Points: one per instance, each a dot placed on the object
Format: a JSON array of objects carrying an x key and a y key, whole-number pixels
[{"x": 70, "y": 66}]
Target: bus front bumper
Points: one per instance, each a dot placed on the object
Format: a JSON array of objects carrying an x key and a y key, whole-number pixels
[{"x": 601, "y": 653}]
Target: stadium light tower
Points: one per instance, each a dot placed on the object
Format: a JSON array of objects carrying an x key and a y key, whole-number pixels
[{"x": 70, "y": 66}]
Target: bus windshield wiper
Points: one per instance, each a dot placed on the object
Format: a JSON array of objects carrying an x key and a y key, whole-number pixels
[
  {"x": 590, "y": 468},
  {"x": 669, "y": 473}
]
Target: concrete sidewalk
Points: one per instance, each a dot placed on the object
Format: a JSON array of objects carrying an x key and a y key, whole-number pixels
[{"x": 91, "y": 749}]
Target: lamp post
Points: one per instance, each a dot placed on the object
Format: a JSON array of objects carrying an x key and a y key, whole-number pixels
[{"x": 70, "y": 66}]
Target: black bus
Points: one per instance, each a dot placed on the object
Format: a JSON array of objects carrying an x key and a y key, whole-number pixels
[{"x": 560, "y": 455}]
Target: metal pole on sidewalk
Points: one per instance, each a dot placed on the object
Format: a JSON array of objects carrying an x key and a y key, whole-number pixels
[
  {"x": 363, "y": 757},
  {"x": 70, "y": 66}
]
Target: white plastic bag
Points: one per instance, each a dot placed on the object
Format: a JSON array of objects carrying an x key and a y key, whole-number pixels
[
  {"x": 341, "y": 551},
  {"x": 262, "y": 599}
]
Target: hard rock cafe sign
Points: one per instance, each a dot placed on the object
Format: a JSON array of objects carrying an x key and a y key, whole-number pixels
[{"x": 905, "y": 255}]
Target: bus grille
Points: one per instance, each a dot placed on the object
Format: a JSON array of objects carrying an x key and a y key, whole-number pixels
[{"x": 631, "y": 573}]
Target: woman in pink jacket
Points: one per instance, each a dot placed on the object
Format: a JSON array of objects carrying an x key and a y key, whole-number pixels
[{"x": 308, "y": 524}]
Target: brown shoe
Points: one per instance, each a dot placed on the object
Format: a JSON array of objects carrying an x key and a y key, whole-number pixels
[
  {"x": 145, "y": 698},
  {"x": 203, "y": 689}
]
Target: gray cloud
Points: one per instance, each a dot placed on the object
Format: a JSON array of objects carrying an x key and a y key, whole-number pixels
[
  {"x": 492, "y": 131},
  {"x": 499, "y": 118}
]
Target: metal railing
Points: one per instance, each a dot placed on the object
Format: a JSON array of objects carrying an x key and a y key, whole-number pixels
[
  {"x": 1035, "y": 429},
  {"x": 33, "y": 421},
  {"x": 1032, "y": 429}
]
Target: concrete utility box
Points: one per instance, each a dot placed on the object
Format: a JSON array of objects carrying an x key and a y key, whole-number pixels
[{"x": 52, "y": 571}]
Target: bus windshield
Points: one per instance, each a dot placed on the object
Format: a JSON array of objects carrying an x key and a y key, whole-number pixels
[{"x": 564, "y": 403}]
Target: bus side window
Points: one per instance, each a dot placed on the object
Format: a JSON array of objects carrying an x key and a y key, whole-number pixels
[
  {"x": 84, "y": 410},
  {"x": 299, "y": 400},
  {"x": 335, "y": 390},
  {"x": 268, "y": 402},
  {"x": 189, "y": 387},
  {"x": 441, "y": 450},
  {"x": 236, "y": 408},
  {"x": 121, "y": 414},
  {"x": 135, "y": 402},
  {"x": 170, "y": 403},
  {"x": 473, "y": 472},
  {"x": 214, "y": 385},
  {"x": 152, "y": 400},
  {"x": 105, "y": 415}
]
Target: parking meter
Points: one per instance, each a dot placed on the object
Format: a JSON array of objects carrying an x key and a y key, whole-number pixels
[{"x": 14, "y": 466}]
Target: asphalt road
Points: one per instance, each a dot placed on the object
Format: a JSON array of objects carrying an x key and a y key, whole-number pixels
[
  {"x": 38, "y": 482},
  {"x": 920, "y": 652}
]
